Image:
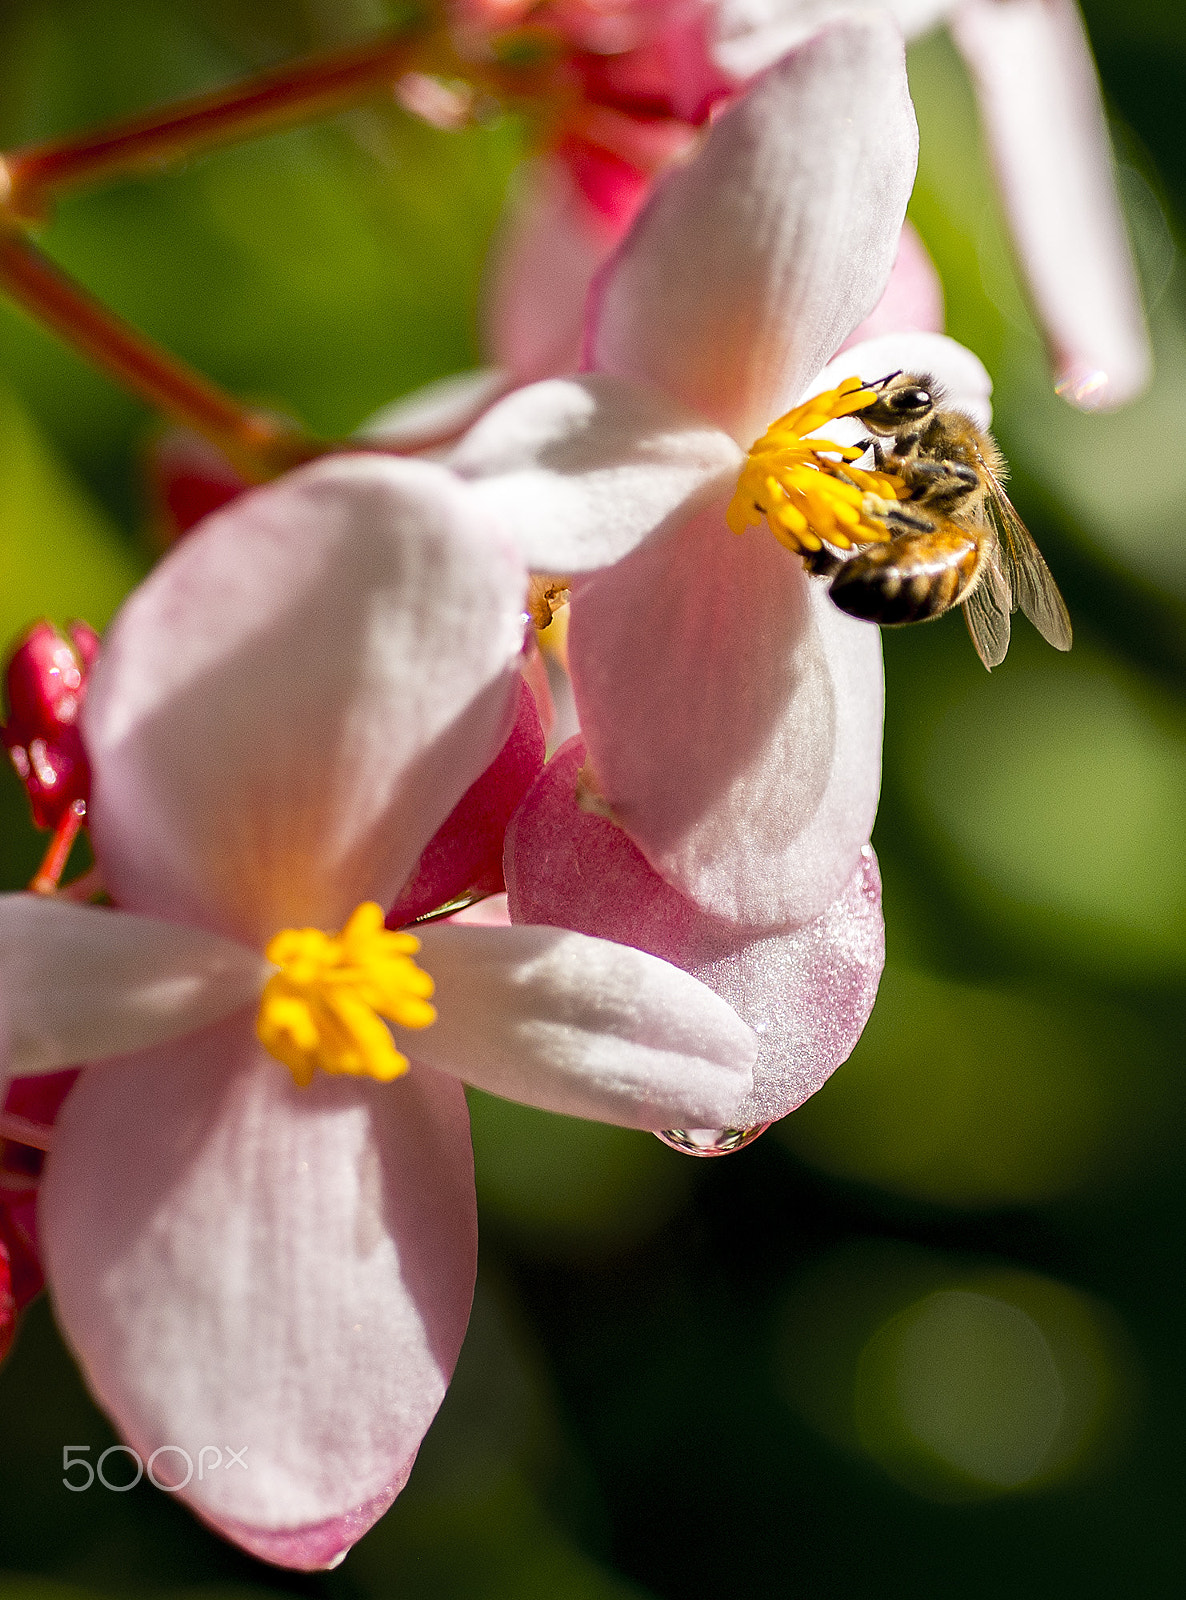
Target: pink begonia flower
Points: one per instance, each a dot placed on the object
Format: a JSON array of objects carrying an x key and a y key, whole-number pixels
[
  {"x": 1039, "y": 99},
  {"x": 651, "y": 65},
  {"x": 732, "y": 714},
  {"x": 281, "y": 717}
]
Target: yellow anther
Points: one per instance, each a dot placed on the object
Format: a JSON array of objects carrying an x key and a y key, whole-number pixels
[
  {"x": 324, "y": 1007},
  {"x": 807, "y": 489}
]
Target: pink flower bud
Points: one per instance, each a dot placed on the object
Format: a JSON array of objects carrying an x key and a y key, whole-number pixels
[{"x": 45, "y": 683}]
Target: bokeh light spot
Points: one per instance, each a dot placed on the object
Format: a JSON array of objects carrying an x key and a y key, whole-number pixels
[
  {"x": 985, "y": 1387},
  {"x": 1064, "y": 793},
  {"x": 972, "y": 1380}
]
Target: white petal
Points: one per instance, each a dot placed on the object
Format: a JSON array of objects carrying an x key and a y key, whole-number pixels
[
  {"x": 1040, "y": 101},
  {"x": 243, "y": 1265},
  {"x": 733, "y": 719},
  {"x": 748, "y": 267},
  {"x": 294, "y": 700},
  {"x": 79, "y": 983},
  {"x": 431, "y": 417},
  {"x": 750, "y": 35},
  {"x": 579, "y": 1025},
  {"x": 580, "y": 470},
  {"x": 965, "y": 381}
]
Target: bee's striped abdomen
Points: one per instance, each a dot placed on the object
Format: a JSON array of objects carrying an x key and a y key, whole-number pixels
[{"x": 911, "y": 578}]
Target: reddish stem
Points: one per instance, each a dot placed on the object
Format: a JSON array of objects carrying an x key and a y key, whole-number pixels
[
  {"x": 49, "y": 874},
  {"x": 257, "y": 444},
  {"x": 299, "y": 91}
]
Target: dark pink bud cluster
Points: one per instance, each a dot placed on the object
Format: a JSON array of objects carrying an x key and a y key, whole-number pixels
[
  {"x": 45, "y": 683},
  {"x": 188, "y": 479}
]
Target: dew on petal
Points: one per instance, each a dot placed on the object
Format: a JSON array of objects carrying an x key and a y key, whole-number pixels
[{"x": 710, "y": 1141}]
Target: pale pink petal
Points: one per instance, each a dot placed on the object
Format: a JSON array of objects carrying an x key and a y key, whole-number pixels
[
  {"x": 489, "y": 913},
  {"x": 748, "y": 267},
  {"x": 242, "y": 1264},
  {"x": 807, "y": 993},
  {"x": 78, "y": 982},
  {"x": 581, "y": 469},
  {"x": 434, "y": 416},
  {"x": 913, "y": 298},
  {"x": 733, "y": 719},
  {"x": 294, "y": 700},
  {"x": 1040, "y": 101},
  {"x": 539, "y": 271},
  {"x": 464, "y": 855},
  {"x": 750, "y": 35},
  {"x": 962, "y": 375},
  {"x": 581, "y": 1026}
]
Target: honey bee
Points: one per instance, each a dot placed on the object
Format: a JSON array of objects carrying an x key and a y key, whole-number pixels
[{"x": 955, "y": 538}]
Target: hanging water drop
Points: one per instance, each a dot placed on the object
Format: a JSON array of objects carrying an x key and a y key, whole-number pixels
[{"x": 710, "y": 1141}]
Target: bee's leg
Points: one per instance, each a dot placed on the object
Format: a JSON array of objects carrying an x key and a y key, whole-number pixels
[
  {"x": 901, "y": 517},
  {"x": 945, "y": 485},
  {"x": 822, "y": 563}
]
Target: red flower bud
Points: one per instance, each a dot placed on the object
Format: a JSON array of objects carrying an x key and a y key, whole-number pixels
[{"x": 45, "y": 684}]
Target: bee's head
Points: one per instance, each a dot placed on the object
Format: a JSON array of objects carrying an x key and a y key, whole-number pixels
[{"x": 903, "y": 398}]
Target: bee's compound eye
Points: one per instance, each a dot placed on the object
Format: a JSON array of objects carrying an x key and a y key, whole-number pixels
[{"x": 911, "y": 402}]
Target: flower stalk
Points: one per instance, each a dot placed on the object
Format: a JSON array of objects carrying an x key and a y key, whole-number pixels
[
  {"x": 298, "y": 91},
  {"x": 53, "y": 864},
  {"x": 259, "y": 445}
]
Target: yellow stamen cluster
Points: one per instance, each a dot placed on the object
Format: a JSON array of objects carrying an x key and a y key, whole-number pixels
[
  {"x": 324, "y": 1006},
  {"x": 807, "y": 489}
]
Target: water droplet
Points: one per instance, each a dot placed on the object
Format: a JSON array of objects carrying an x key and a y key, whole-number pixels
[{"x": 710, "y": 1141}]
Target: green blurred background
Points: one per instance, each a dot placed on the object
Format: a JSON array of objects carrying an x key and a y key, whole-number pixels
[{"x": 927, "y": 1337}]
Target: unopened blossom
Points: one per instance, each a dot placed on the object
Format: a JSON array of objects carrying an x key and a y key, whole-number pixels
[
  {"x": 282, "y": 717},
  {"x": 27, "y": 1114},
  {"x": 731, "y": 715},
  {"x": 45, "y": 685}
]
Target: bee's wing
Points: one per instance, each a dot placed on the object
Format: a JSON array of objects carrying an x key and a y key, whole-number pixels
[
  {"x": 1030, "y": 580},
  {"x": 987, "y": 610}
]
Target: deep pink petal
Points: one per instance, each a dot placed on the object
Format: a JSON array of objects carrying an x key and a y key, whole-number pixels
[
  {"x": 733, "y": 719},
  {"x": 35, "y": 1101},
  {"x": 295, "y": 699},
  {"x": 749, "y": 266},
  {"x": 587, "y": 1027},
  {"x": 238, "y": 1262},
  {"x": 1040, "y": 101},
  {"x": 40, "y": 1099},
  {"x": 188, "y": 479},
  {"x": 913, "y": 298},
  {"x": 552, "y": 242},
  {"x": 465, "y": 854},
  {"x": 806, "y": 992}
]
